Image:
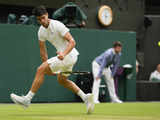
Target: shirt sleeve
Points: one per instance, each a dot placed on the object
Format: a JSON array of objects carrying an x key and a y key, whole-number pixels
[
  {"x": 151, "y": 77},
  {"x": 62, "y": 29},
  {"x": 104, "y": 63},
  {"x": 41, "y": 36},
  {"x": 115, "y": 66}
]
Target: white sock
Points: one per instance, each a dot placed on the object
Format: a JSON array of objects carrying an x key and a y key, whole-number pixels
[
  {"x": 82, "y": 95},
  {"x": 30, "y": 95}
]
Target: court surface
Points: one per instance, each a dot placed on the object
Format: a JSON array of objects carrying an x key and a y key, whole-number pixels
[{"x": 77, "y": 111}]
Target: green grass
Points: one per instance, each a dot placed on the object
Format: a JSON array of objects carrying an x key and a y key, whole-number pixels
[{"x": 76, "y": 111}]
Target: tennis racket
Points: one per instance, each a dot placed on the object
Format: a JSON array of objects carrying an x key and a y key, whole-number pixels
[{"x": 74, "y": 72}]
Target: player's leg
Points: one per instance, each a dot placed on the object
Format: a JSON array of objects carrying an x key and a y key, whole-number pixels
[
  {"x": 96, "y": 83},
  {"x": 68, "y": 63},
  {"x": 111, "y": 87},
  {"x": 63, "y": 80},
  {"x": 39, "y": 78},
  {"x": 87, "y": 98}
]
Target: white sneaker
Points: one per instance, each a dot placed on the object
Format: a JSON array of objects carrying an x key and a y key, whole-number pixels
[
  {"x": 90, "y": 103},
  {"x": 117, "y": 101},
  {"x": 20, "y": 100},
  {"x": 96, "y": 102}
]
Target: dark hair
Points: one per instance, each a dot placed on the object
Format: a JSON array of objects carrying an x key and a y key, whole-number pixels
[
  {"x": 39, "y": 11},
  {"x": 117, "y": 44}
]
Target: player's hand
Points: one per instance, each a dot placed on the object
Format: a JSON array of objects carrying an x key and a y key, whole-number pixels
[
  {"x": 60, "y": 55},
  {"x": 97, "y": 78},
  {"x": 51, "y": 74}
]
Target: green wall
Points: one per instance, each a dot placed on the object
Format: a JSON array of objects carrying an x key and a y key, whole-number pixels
[{"x": 20, "y": 58}]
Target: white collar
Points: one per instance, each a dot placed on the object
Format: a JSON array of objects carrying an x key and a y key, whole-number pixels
[
  {"x": 115, "y": 52},
  {"x": 157, "y": 72}
]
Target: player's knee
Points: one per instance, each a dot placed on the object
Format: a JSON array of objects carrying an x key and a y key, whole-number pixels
[
  {"x": 41, "y": 69},
  {"x": 62, "y": 80}
]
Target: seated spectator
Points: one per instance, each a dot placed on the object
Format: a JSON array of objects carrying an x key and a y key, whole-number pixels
[
  {"x": 71, "y": 15},
  {"x": 155, "y": 76},
  {"x": 137, "y": 66},
  {"x": 11, "y": 19},
  {"x": 23, "y": 20}
]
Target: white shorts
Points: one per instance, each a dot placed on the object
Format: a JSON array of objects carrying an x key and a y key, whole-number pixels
[{"x": 64, "y": 65}]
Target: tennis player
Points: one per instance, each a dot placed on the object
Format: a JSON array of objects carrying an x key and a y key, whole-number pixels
[
  {"x": 59, "y": 36},
  {"x": 106, "y": 64}
]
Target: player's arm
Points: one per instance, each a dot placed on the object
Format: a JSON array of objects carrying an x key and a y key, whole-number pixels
[
  {"x": 71, "y": 42},
  {"x": 43, "y": 51},
  {"x": 64, "y": 32},
  {"x": 71, "y": 45}
]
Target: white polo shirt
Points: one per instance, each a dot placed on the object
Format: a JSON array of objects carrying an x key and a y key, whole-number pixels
[
  {"x": 55, "y": 35},
  {"x": 155, "y": 75}
]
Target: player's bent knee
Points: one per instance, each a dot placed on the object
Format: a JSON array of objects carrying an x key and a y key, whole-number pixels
[
  {"x": 62, "y": 79},
  {"x": 42, "y": 68}
]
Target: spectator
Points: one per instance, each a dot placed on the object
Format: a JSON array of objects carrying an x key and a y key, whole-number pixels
[
  {"x": 137, "y": 65},
  {"x": 23, "y": 20},
  {"x": 155, "y": 76},
  {"x": 11, "y": 19}
]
